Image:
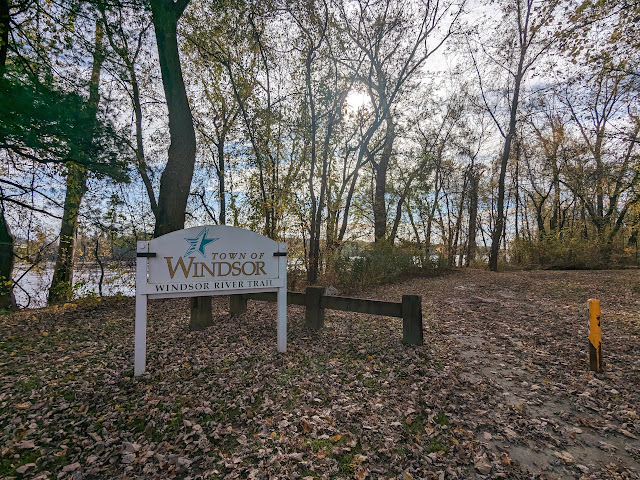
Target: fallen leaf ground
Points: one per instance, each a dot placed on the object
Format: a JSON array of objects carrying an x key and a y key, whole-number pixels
[{"x": 501, "y": 388}]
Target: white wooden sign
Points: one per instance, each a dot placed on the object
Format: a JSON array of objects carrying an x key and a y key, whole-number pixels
[{"x": 208, "y": 260}]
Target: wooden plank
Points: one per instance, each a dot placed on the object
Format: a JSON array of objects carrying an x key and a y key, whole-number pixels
[
  {"x": 346, "y": 304},
  {"x": 314, "y": 313},
  {"x": 361, "y": 305},
  {"x": 293, "y": 298},
  {"x": 201, "y": 316},
  {"x": 263, "y": 296},
  {"x": 237, "y": 304},
  {"x": 412, "y": 320}
]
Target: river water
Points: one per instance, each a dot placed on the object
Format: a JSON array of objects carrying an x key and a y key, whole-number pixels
[{"x": 32, "y": 289}]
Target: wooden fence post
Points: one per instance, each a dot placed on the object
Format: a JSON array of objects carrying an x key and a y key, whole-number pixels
[
  {"x": 314, "y": 316},
  {"x": 201, "y": 316},
  {"x": 237, "y": 304},
  {"x": 595, "y": 336},
  {"x": 412, "y": 320}
]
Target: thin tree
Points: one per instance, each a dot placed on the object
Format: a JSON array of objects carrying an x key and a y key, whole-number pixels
[
  {"x": 525, "y": 45},
  {"x": 76, "y": 183},
  {"x": 396, "y": 37}
]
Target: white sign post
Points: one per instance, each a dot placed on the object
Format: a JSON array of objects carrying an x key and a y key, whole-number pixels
[{"x": 204, "y": 261}]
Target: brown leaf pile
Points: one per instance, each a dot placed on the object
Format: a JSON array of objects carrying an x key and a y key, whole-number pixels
[{"x": 501, "y": 388}]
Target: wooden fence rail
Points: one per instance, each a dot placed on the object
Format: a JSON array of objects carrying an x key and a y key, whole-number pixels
[{"x": 315, "y": 302}]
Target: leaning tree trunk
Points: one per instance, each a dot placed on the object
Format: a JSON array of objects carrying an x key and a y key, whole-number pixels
[
  {"x": 61, "y": 285},
  {"x": 6, "y": 264},
  {"x": 504, "y": 160},
  {"x": 175, "y": 181},
  {"x": 6, "y": 239},
  {"x": 62, "y": 282}
]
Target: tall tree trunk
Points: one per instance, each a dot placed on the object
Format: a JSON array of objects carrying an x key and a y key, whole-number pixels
[
  {"x": 5, "y": 26},
  {"x": 222, "y": 193},
  {"x": 504, "y": 160},
  {"x": 316, "y": 211},
  {"x": 555, "y": 218},
  {"x": 331, "y": 223},
  {"x": 140, "y": 156},
  {"x": 414, "y": 227},
  {"x": 455, "y": 248},
  {"x": 62, "y": 282},
  {"x": 540, "y": 220},
  {"x": 121, "y": 48},
  {"x": 379, "y": 199},
  {"x": 347, "y": 204},
  {"x": 518, "y": 256},
  {"x": 7, "y": 299},
  {"x": 175, "y": 181},
  {"x": 61, "y": 285},
  {"x": 474, "y": 179}
]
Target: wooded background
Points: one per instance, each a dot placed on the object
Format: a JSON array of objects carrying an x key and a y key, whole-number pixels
[{"x": 378, "y": 138}]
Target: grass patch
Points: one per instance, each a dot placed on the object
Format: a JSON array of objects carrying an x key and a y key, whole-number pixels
[
  {"x": 287, "y": 375},
  {"x": 291, "y": 402},
  {"x": 138, "y": 424},
  {"x": 258, "y": 401},
  {"x": 319, "y": 445},
  {"x": 441, "y": 419},
  {"x": 232, "y": 413},
  {"x": 175, "y": 424},
  {"x": 436, "y": 445},
  {"x": 346, "y": 462},
  {"x": 416, "y": 425},
  {"x": 309, "y": 473},
  {"x": 8, "y": 465},
  {"x": 28, "y": 384}
]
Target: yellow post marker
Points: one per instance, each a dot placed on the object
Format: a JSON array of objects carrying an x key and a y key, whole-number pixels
[{"x": 595, "y": 336}]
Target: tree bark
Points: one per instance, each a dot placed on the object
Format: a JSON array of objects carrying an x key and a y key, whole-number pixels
[
  {"x": 555, "y": 218},
  {"x": 61, "y": 289},
  {"x": 175, "y": 182},
  {"x": 7, "y": 299},
  {"x": 5, "y": 26},
  {"x": 316, "y": 211},
  {"x": 140, "y": 156},
  {"x": 474, "y": 179},
  {"x": 455, "y": 248},
  {"x": 504, "y": 160},
  {"x": 221, "y": 170},
  {"x": 381, "y": 168}
]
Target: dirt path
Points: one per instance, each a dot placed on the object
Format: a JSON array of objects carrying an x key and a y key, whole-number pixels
[{"x": 516, "y": 343}]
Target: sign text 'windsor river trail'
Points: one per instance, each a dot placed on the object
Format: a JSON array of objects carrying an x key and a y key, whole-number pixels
[{"x": 208, "y": 260}]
